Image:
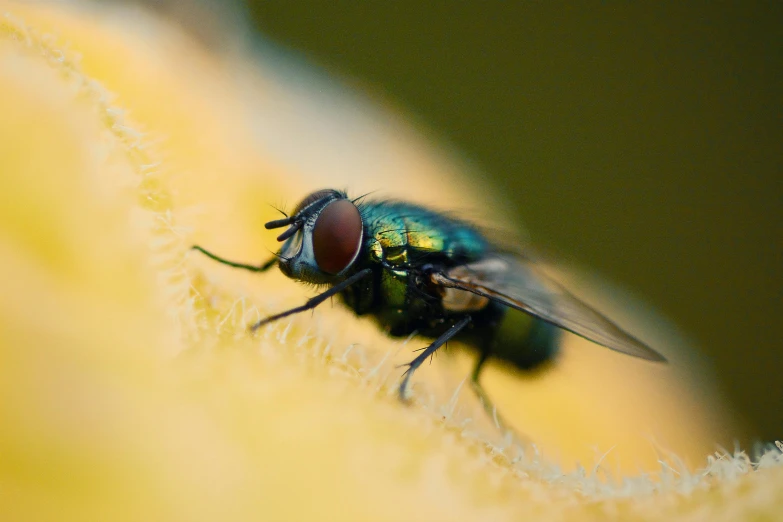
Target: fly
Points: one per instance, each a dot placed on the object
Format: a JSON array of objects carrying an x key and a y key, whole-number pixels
[{"x": 417, "y": 270}]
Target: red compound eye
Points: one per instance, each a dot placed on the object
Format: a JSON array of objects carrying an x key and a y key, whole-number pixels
[
  {"x": 312, "y": 198},
  {"x": 337, "y": 236}
]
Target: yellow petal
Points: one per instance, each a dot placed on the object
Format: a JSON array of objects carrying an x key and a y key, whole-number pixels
[{"x": 129, "y": 386}]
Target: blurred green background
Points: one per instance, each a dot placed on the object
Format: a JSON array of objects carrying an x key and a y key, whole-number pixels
[{"x": 642, "y": 140}]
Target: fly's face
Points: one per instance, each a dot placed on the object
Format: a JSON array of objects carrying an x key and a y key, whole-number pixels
[{"x": 323, "y": 238}]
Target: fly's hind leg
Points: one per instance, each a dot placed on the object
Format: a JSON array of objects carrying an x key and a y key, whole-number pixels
[
  {"x": 489, "y": 408},
  {"x": 486, "y": 402}
]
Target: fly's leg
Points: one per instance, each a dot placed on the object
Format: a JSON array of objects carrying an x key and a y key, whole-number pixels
[
  {"x": 486, "y": 402},
  {"x": 253, "y": 268},
  {"x": 309, "y": 305},
  {"x": 427, "y": 352},
  {"x": 489, "y": 408},
  {"x": 315, "y": 301}
]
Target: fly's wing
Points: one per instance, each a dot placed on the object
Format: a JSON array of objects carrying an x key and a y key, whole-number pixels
[{"x": 518, "y": 283}]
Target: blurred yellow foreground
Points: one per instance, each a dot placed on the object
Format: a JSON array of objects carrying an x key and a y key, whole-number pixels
[{"x": 130, "y": 388}]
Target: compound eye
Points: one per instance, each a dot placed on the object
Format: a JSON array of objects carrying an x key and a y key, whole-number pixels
[
  {"x": 337, "y": 236},
  {"x": 312, "y": 198}
]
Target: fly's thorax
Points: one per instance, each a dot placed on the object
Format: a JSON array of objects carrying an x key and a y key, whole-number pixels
[
  {"x": 324, "y": 238},
  {"x": 403, "y": 238},
  {"x": 406, "y": 234},
  {"x": 388, "y": 237}
]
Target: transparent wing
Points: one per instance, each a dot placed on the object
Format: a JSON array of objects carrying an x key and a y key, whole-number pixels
[{"x": 516, "y": 282}]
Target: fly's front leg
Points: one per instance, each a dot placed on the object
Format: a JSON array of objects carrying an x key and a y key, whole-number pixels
[
  {"x": 315, "y": 301},
  {"x": 427, "y": 352},
  {"x": 244, "y": 266}
]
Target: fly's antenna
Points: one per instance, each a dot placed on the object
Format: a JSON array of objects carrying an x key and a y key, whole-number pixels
[{"x": 292, "y": 223}]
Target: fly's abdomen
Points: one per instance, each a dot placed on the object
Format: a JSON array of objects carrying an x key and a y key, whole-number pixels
[{"x": 524, "y": 341}]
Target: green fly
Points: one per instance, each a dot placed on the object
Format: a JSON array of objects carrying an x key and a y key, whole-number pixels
[{"x": 419, "y": 271}]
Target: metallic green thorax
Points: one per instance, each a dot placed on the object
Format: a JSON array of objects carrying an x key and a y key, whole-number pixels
[{"x": 401, "y": 238}]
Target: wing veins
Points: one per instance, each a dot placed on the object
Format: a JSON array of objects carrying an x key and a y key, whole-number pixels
[{"x": 584, "y": 320}]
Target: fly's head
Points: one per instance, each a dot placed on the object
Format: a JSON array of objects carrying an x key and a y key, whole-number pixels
[{"x": 323, "y": 238}]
